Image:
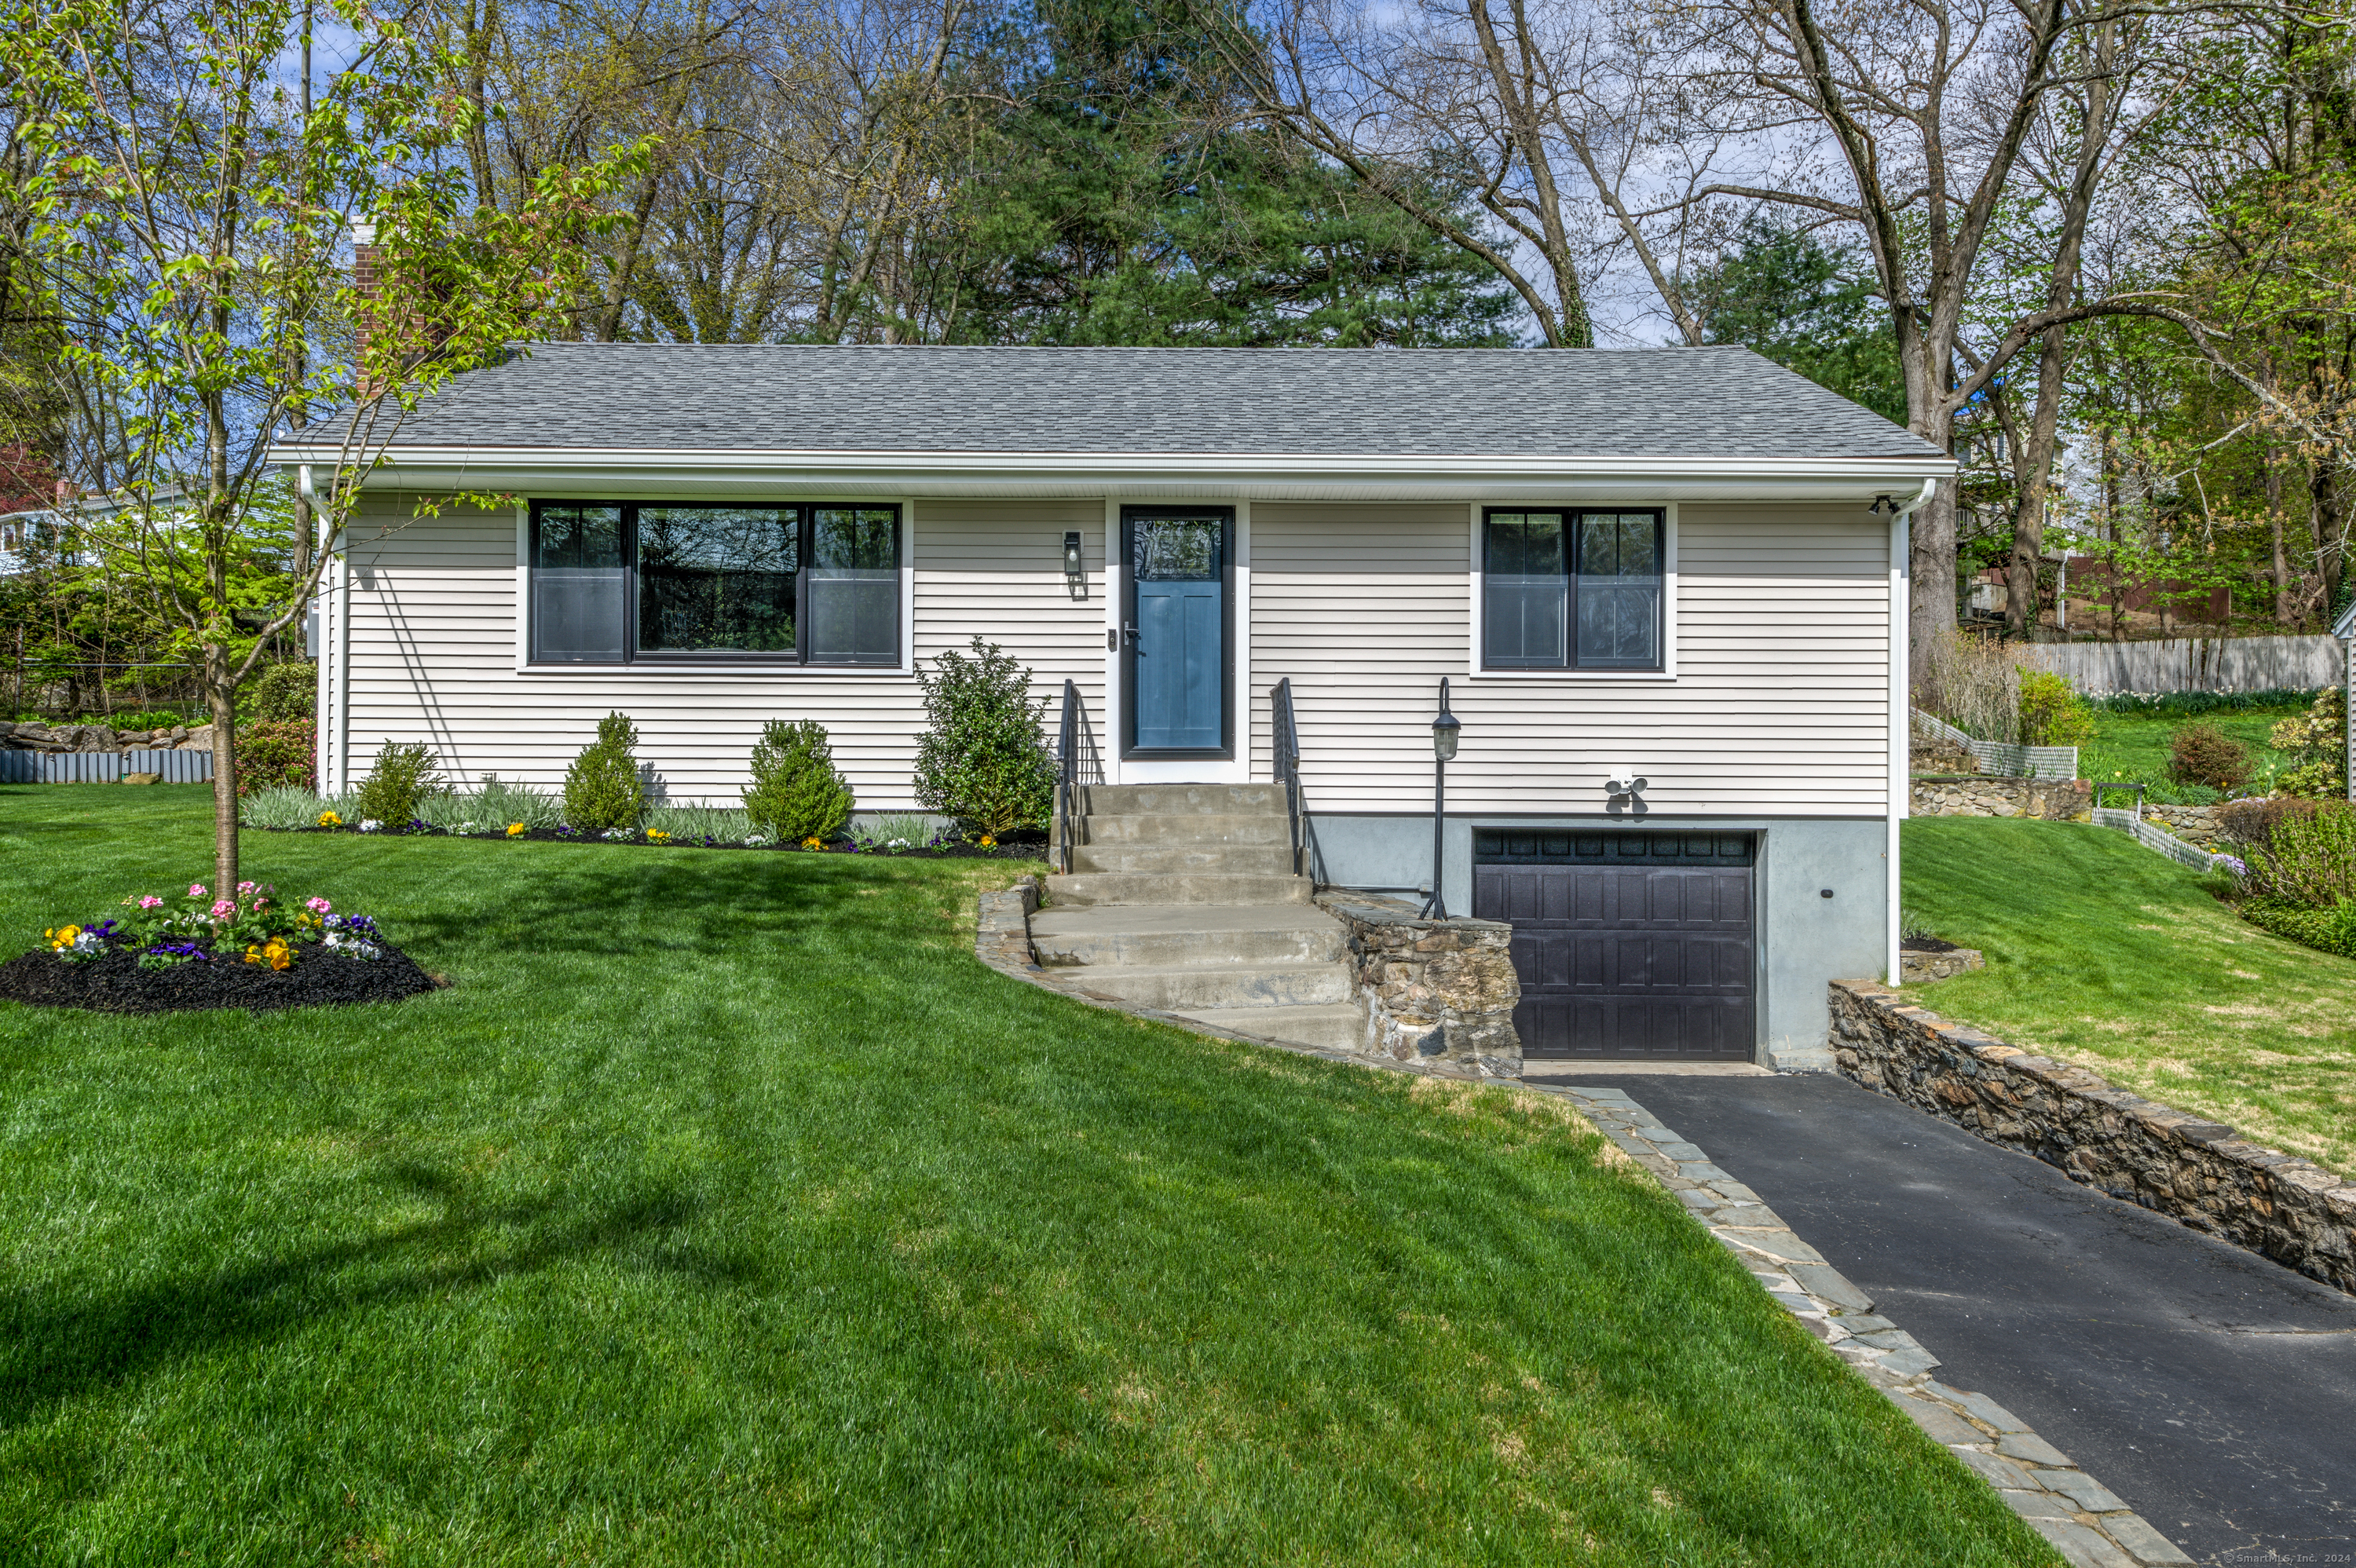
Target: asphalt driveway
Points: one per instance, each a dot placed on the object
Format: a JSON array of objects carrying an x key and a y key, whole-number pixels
[{"x": 2213, "y": 1390}]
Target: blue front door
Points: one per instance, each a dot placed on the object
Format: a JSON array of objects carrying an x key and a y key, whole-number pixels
[{"x": 1177, "y": 652}]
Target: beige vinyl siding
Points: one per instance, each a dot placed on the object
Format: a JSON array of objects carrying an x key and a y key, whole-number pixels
[
  {"x": 433, "y": 651},
  {"x": 1780, "y": 705}
]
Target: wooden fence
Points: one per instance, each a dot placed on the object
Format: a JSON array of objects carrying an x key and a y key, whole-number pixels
[{"x": 103, "y": 767}]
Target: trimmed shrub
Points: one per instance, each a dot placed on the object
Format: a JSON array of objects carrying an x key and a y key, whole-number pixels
[
  {"x": 985, "y": 760},
  {"x": 2329, "y": 930},
  {"x": 2309, "y": 859},
  {"x": 602, "y": 789},
  {"x": 274, "y": 754},
  {"x": 403, "y": 776},
  {"x": 283, "y": 693},
  {"x": 2204, "y": 754},
  {"x": 797, "y": 793},
  {"x": 2317, "y": 742},
  {"x": 2051, "y": 713}
]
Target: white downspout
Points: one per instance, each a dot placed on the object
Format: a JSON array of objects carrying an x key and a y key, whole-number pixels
[{"x": 1901, "y": 720}]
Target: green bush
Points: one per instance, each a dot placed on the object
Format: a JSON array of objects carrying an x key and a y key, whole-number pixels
[
  {"x": 2318, "y": 744},
  {"x": 2331, "y": 930},
  {"x": 2051, "y": 713},
  {"x": 402, "y": 777},
  {"x": 2204, "y": 754},
  {"x": 277, "y": 753},
  {"x": 797, "y": 793},
  {"x": 985, "y": 760},
  {"x": 2308, "y": 858},
  {"x": 283, "y": 806},
  {"x": 282, "y": 694},
  {"x": 695, "y": 823},
  {"x": 602, "y": 789},
  {"x": 151, "y": 719}
]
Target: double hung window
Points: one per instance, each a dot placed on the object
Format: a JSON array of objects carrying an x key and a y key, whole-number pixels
[
  {"x": 616, "y": 582},
  {"x": 1571, "y": 591}
]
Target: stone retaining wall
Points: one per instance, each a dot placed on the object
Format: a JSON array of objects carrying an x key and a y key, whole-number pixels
[
  {"x": 1438, "y": 991},
  {"x": 1920, "y": 968},
  {"x": 2196, "y": 825},
  {"x": 94, "y": 738},
  {"x": 2053, "y": 800},
  {"x": 2195, "y": 1171}
]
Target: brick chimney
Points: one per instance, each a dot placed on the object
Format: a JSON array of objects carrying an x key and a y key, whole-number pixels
[{"x": 364, "y": 285}]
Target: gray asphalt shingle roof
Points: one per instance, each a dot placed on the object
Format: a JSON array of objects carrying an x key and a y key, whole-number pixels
[{"x": 1674, "y": 403}]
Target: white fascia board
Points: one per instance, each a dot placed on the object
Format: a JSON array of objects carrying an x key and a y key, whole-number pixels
[{"x": 1201, "y": 476}]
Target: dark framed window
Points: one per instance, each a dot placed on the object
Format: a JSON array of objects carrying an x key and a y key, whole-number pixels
[
  {"x": 1572, "y": 590},
  {"x": 646, "y": 582}
]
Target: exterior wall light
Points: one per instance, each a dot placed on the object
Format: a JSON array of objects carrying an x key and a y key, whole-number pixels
[
  {"x": 1444, "y": 731},
  {"x": 1075, "y": 570}
]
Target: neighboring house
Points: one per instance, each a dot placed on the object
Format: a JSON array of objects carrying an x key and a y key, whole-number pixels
[{"x": 1683, "y": 564}]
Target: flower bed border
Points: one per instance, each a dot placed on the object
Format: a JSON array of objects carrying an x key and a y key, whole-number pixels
[
  {"x": 2194, "y": 1170},
  {"x": 1021, "y": 850},
  {"x": 318, "y": 978}
]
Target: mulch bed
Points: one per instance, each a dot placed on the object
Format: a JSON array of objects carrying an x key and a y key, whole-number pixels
[
  {"x": 1928, "y": 945},
  {"x": 1028, "y": 845},
  {"x": 116, "y": 984}
]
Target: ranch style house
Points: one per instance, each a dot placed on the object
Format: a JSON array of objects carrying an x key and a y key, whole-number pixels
[{"x": 1667, "y": 589}]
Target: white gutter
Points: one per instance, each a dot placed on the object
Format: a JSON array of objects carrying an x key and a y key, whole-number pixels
[
  {"x": 610, "y": 471},
  {"x": 1900, "y": 721}
]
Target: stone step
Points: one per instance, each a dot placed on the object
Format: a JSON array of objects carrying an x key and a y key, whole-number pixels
[
  {"x": 1220, "y": 800},
  {"x": 1178, "y": 827},
  {"x": 1182, "y": 987},
  {"x": 1230, "y": 860},
  {"x": 1336, "y": 1027},
  {"x": 1146, "y": 935},
  {"x": 1097, "y": 887}
]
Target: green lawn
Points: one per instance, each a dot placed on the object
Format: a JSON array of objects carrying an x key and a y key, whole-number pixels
[
  {"x": 724, "y": 1210},
  {"x": 2134, "y": 748},
  {"x": 2105, "y": 954}
]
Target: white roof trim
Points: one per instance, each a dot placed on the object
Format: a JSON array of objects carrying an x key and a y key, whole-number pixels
[{"x": 1251, "y": 476}]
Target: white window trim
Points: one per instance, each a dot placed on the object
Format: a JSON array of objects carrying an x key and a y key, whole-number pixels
[
  {"x": 1190, "y": 770},
  {"x": 1668, "y": 670},
  {"x": 790, "y": 671}
]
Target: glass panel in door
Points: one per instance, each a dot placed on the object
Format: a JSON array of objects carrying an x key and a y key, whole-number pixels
[{"x": 1178, "y": 656}]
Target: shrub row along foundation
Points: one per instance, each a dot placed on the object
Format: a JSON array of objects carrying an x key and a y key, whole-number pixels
[
  {"x": 2194, "y": 1171},
  {"x": 1438, "y": 991}
]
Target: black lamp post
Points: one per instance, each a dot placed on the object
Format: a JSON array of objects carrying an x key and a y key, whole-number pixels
[{"x": 1444, "y": 730}]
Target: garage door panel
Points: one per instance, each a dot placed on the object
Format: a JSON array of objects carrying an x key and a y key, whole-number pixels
[{"x": 1619, "y": 960}]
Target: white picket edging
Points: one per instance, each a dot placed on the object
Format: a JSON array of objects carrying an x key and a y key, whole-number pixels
[
  {"x": 2002, "y": 759},
  {"x": 2154, "y": 837}
]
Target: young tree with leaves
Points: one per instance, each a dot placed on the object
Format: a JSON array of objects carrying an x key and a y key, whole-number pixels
[{"x": 211, "y": 220}]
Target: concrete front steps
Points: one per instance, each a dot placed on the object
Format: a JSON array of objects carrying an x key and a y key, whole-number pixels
[{"x": 1180, "y": 899}]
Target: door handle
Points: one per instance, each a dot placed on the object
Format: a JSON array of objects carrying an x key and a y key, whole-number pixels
[{"x": 1128, "y": 632}]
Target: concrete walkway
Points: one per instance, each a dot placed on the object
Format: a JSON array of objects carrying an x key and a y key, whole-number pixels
[{"x": 2211, "y": 1390}]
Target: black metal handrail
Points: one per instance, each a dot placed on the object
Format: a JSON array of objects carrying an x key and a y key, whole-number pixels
[
  {"x": 1284, "y": 745},
  {"x": 1078, "y": 764}
]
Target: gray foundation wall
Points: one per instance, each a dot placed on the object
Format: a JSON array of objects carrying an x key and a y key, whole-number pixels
[{"x": 1805, "y": 940}]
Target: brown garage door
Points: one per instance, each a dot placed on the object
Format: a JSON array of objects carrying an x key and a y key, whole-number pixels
[{"x": 1627, "y": 943}]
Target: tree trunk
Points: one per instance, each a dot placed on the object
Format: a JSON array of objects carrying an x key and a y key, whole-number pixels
[
  {"x": 222, "y": 696},
  {"x": 1931, "y": 547},
  {"x": 2280, "y": 569},
  {"x": 2330, "y": 529}
]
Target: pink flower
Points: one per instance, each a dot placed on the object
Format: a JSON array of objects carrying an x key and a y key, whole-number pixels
[
  {"x": 245, "y": 888},
  {"x": 195, "y": 890},
  {"x": 224, "y": 909},
  {"x": 260, "y": 904},
  {"x": 317, "y": 906},
  {"x": 149, "y": 902}
]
